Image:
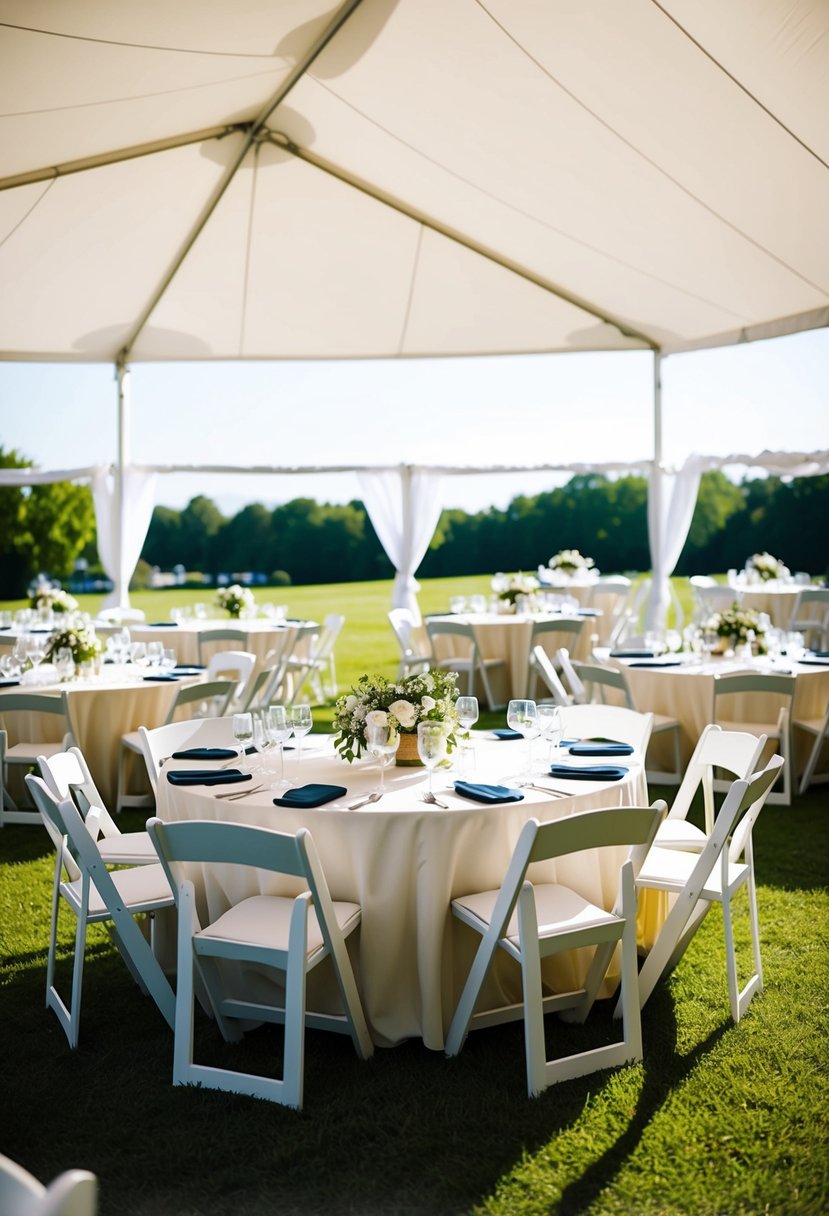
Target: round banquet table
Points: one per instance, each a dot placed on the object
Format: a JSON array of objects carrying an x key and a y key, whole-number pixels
[
  {"x": 686, "y": 692},
  {"x": 507, "y": 636},
  {"x": 404, "y": 861},
  {"x": 262, "y": 637},
  {"x": 777, "y": 600},
  {"x": 101, "y": 710}
]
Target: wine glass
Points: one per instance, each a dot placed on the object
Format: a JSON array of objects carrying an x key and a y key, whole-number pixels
[
  {"x": 280, "y": 730},
  {"x": 551, "y": 727},
  {"x": 168, "y": 662},
  {"x": 138, "y": 654},
  {"x": 382, "y": 741},
  {"x": 301, "y": 722},
  {"x": 466, "y": 709},
  {"x": 155, "y": 653},
  {"x": 431, "y": 745},
  {"x": 522, "y": 716},
  {"x": 243, "y": 734}
]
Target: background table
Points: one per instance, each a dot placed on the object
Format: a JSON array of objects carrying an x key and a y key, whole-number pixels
[
  {"x": 262, "y": 637},
  {"x": 404, "y": 861}
]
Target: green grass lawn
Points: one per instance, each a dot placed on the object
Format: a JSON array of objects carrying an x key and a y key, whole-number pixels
[{"x": 718, "y": 1119}]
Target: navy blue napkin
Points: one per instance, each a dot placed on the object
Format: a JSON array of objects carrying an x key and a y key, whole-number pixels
[
  {"x": 632, "y": 654},
  {"x": 163, "y": 679},
  {"x": 207, "y": 776},
  {"x": 658, "y": 663},
  {"x": 601, "y": 749},
  {"x": 192, "y": 670},
  {"x": 589, "y": 612},
  {"x": 206, "y": 753},
  {"x": 507, "y": 734},
  {"x": 487, "y": 793},
  {"x": 49, "y": 630},
  {"x": 9, "y": 683},
  {"x": 590, "y": 772},
  {"x": 814, "y": 662},
  {"x": 310, "y": 795},
  {"x": 813, "y": 654},
  {"x": 3, "y": 628},
  {"x": 161, "y": 625}
]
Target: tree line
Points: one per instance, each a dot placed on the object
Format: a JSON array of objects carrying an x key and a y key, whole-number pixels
[{"x": 47, "y": 528}]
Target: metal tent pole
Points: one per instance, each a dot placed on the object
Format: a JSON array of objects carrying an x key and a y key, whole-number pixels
[{"x": 122, "y": 589}]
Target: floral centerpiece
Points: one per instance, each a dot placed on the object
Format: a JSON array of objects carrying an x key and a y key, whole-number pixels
[
  {"x": 79, "y": 639},
  {"x": 52, "y": 599},
  {"x": 767, "y": 567},
  {"x": 736, "y": 626},
  {"x": 570, "y": 561},
  {"x": 428, "y": 697},
  {"x": 235, "y": 599},
  {"x": 508, "y": 587}
]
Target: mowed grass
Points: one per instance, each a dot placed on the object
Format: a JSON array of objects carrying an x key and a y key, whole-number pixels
[{"x": 717, "y": 1119}]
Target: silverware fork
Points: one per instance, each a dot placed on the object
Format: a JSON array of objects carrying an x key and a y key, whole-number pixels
[
  {"x": 233, "y": 794},
  {"x": 548, "y": 789},
  {"x": 428, "y": 796},
  {"x": 355, "y": 806}
]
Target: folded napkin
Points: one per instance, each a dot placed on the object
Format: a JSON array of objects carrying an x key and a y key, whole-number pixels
[
  {"x": 163, "y": 679},
  {"x": 658, "y": 663},
  {"x": 632, "y": 654},
  {"x": 507, "y": 734},
  {"x": 206, "y": 753},
  {"x": 9, "y": 683},
  {"x": 161, "y": 625},
  {"x": 49, "y": 630},
  {"x": 487, "y": 793},
  {"x": 814, "y": 662},
  {"x": 207, "y": 776},
  {"x": 3, "y": 628},
  {"x": 192, "y": 670},
  {"x": 813, "y": 654},
  {"x": 590, "y": 772},
  {"x": 589, "y": 612},
  {"x": 601, "y": 749},
  {"x": 311, "y": 795}
]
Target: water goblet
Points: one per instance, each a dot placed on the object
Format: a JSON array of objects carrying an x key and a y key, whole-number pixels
[
  {"x": 522, "y": 716},
  {"x": 549, "y": 721},
  {"x": 466, "y": 709},
  {"x": 431, "y": 745},
  {"x": 280, "y": 730},
  {"x": 155, "y": 653},
  {"x": 243, "y": 734},
  {"x": 168, "y": 661},
  {"x": 382, "y": 741},
  {"x": 138, "y": 656},
  {"x": 301, "y": 722}
]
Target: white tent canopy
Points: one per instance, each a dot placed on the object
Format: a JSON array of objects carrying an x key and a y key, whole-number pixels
[{"x": 278, "y": 179}]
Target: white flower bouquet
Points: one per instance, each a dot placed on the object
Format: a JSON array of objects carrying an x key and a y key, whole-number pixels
[
  {"x": 740, "y": 625},
  {"x": 568, "y": 561},
  {"x": 53, "y": 599},
  {"x": 508, "y": 587},
  {"x": 79, "y": 639},
  {"x": 235, "y": 599},
  {"x": 429, "y": 697},
  {"x": 767, "y": 567}
]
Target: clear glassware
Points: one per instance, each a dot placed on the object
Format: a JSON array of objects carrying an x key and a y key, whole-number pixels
[
  {"x": 168, "y": 661},
  {"x": 431, "y": 745},
  {"x": 243, "y": 734},
  {"x": 466, "y": 709},
  {"x": 155, "y": 653},
  {"x": 280, "y": 730},
  {"x": 301, "y": 722},
  {"x": 551, "y": 728},
  {"x": 382, "y": 741},
  {"x": 522, "y": 716},
  {"x": 138, "y": 656}
]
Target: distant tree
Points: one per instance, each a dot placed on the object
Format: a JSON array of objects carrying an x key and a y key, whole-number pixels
[
  {"x": 201, "y": 521},
  {"x": 163, "y": 545},
  {"x": 42, "y": 528}
]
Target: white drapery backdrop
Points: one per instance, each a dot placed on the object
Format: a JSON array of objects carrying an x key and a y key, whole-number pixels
[{"x": 122, "y": 526}]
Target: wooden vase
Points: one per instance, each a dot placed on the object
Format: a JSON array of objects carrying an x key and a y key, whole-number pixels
[{"x": 407, "y": 754}]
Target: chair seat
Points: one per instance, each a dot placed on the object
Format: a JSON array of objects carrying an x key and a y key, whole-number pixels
[
  {"x": 679, "y": 834},
  {"x": 264, "y": 921},
  {"x": 142, "y": 889},
  {"x": 670, "y": 869},
  {"x": 813, "y": 725},
  {"x": 770, "y": 729},
  {"x": 132, "y": 740},
  {"x": 27, "y": 753},
  {"x": 559, "y": 910},
  {"x": 127, "y": 848},
  {"x": 662, "y": 722}
]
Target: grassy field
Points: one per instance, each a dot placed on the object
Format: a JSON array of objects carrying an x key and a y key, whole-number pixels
[{"x": 717, "y": 1119}]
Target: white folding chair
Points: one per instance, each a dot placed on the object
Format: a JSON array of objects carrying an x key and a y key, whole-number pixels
[
  {"x": 24, "y": 754},
  {"x": 698, "y": 880},
  {"x": 531, "y": 921},
  {"x": 810, "y": 615},
  {"x": 159, "y": 743},
  {"x": 471, "y": 662},
  {"x": 551, "y": 636},
  {"x": 591, "y": 680},
  {"x": 541, "y": 662},
  {"x": 319, "y": 668},
  {"x": 73, "y": 1193},
  {"x": 235, "y": 665},
  {"x": 818, "y": 728},
  {"x": 292, "y": 934},
  {"x": 712, "y": 597},
  {"x": 67, "y": 775},
  {"x": 781, "y": 689},
  {"x": 412, "y": 661},
  {"x": 217, "y": 694},
  {"x": 209, "y": 638},
  {"x": 608, "y": 722},
  {"x": 736, "y": 752},
  {"x": 98, "y": 895}
]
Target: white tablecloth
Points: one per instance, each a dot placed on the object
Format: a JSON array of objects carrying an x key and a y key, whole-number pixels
[
  {"x": 404, "y": 861},
  {"x": 776, "y": 601},
  {"x": 262, "y": 637}
]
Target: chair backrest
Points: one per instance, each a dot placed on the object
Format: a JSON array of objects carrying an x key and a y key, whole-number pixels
[
  {"x": 702, "y": 580},
  {"x": 716, "y": 598},
  {"x": 753, "y": 683},
  {"x": 403, "y": 623},
  {"x": 542, "y": 663},
  {"x": 811, "y": 610},
  {"x": 37, "y": 703},
  {"x": 160, "y": 742},
  {"x": 608, "y": 722},
  {"x": 633, "y": 826},
  {"x": 119, "y": 615},
  {"x": 73, "y": 1193},
  {"x": 735, "y": 751},
  {"x": 47, "y": 804},
  {"x": 569, "y": 626},
  {"x": 331, "y": 629},
  {"x": 752, "y": 804},
  {"x": 456, "y": 629},
  {"x": 232, "y": 664},
  {"x": 221, "y": 692},
  {"x": 226, "y": 633},
  {"x": 595, "y": 678},
  {"x": 577, "y": 690},
  {"x": 67, "y": 775}
]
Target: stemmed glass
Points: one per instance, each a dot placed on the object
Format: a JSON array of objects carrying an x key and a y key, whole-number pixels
[
  {"x": 431, "y": 745},
  {"x": 466, "y": 709},
  {"x": 168, "y": 662},
  {"x": 243, "y": 734},
  {"x": 552, "y": 729},
  {"x": 382, "y": 741},
  {"x": 138, "y": 654},
  {"x": 522, "y": 716},
  {"x": 301, "y": 722},
  {"x": 279, "y": 729}
]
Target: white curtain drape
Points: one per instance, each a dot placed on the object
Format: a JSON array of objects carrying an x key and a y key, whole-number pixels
[
  {"x": 671, "y": 501},
  {"x": 404, "y": 507},
  {"x": 121, "y": 537}
]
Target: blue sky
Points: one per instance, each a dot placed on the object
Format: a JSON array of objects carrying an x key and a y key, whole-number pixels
[{"x": 529, "y": 409}]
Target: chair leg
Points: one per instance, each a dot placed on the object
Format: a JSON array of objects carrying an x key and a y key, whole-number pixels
[
  {"x": 293, "y": 1070},
  {"x": 183, "y": 1029},
  {"x": 534, "y": 1047},
  {"x": 811, "y": 763}
]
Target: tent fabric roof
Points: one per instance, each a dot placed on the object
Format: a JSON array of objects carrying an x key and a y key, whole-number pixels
[{"x": 280, "y": 179}]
